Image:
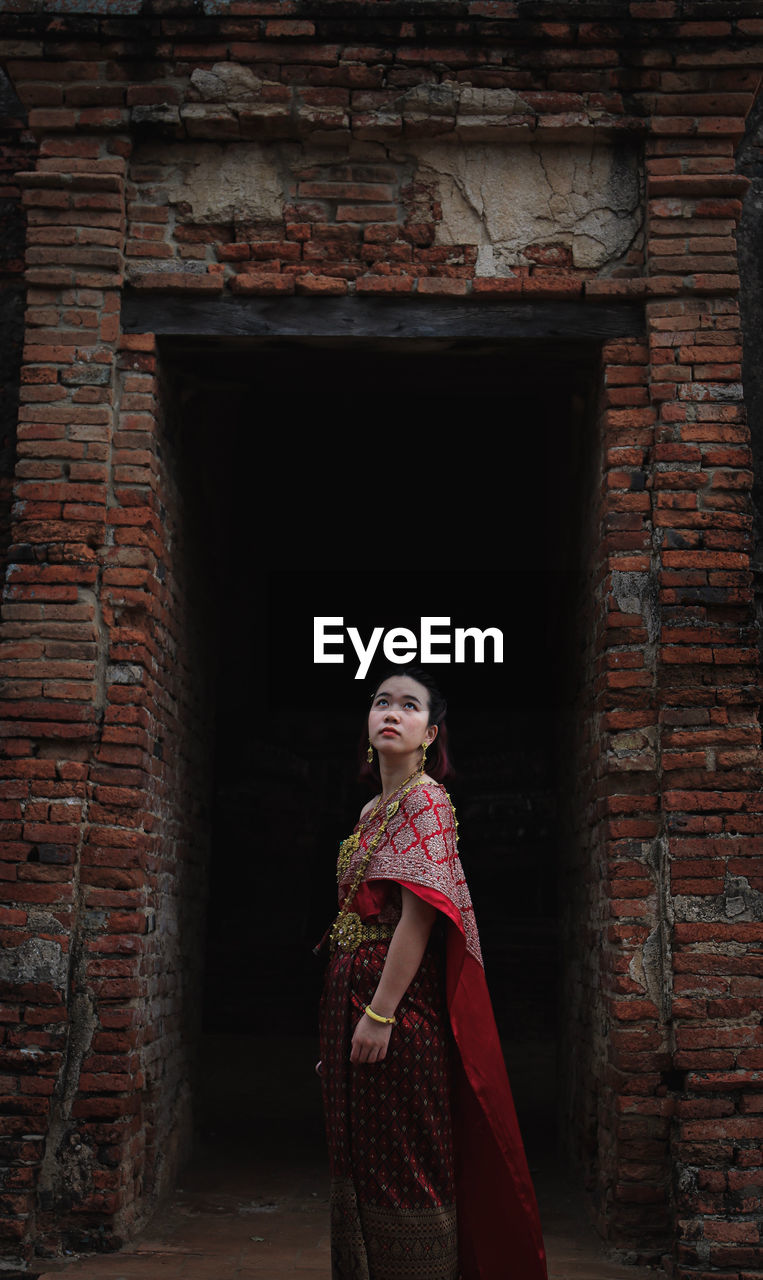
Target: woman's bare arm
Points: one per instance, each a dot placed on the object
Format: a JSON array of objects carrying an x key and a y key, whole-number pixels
[{"x": 406, "y": 949}]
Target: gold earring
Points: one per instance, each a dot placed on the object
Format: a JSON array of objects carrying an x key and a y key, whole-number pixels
[
  {"x": 370, "y": 753},
  {"x": 422, "y": 766}
]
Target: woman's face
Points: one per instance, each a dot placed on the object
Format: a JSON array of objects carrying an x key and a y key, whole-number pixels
[{"x": 398, "y": 722}]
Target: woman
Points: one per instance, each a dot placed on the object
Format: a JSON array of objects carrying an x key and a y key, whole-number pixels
[{"x": 428, "y": 1174}]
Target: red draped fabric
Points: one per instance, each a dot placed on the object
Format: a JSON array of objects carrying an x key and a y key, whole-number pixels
[{"x": 499, "y": 1234}]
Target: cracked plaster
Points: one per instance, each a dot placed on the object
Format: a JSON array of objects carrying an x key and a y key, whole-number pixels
[
  {"x": 505, "y": 198},
  {"x": 209, "y": 182}
]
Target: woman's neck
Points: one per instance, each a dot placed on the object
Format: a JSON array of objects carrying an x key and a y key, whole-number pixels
[{"x": 395, "y": 772}]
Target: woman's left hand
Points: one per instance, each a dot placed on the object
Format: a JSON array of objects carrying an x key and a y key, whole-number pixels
[{"x": 369, "y": 1041}]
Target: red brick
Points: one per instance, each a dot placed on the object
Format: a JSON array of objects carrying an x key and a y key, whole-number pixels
[
  {"x": 384, "y": 284},
  {"x": 442, "y": 286},
  {"x": 326, "y": 285}
]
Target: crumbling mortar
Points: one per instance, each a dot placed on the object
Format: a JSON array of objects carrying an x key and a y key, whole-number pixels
[
  {"x": 659, "y": 942},
  {"x": 67, "y": 1161},
  {"x": 738, "y": 901},
  {"x": 656, "y": 952},
  {"x": 677, "y": 466}
]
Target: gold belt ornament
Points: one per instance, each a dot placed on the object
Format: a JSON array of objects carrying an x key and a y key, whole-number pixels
[{"x": 349, "y": 931}]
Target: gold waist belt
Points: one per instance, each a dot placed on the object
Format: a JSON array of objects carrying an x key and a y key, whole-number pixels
[
  {"x": 375, "y": 932},
  {"x": 349, "y": 931}
]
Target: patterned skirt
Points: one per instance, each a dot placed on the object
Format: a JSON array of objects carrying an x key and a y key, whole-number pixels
[{"x": 393, "y": 1211}]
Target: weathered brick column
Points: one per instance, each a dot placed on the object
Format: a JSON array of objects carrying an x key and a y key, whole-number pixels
[
  {"x": 665, "y": 1079},
  {"x": 708, "y": 688},
  {"x": 615, "y": 1020},
  {"x": 96, "y": 795},
  {"x": 54, "y": 658}
]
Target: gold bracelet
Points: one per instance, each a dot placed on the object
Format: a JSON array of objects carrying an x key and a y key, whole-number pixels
[{"x": 388, "y": 1022}]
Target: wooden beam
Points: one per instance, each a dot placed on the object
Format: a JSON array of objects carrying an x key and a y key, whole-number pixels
[{"x": 352, "y": 317}]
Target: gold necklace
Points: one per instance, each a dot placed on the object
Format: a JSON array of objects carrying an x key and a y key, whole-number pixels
[
  {"x": 350, "y": 846},
  {"x": 347, "y": 929}
]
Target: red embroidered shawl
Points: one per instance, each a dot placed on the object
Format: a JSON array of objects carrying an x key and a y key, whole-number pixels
[{"x": 499, "y": 1227}]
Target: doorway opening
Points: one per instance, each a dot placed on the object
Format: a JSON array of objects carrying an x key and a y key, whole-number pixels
[{"x": 376, "y": 482}]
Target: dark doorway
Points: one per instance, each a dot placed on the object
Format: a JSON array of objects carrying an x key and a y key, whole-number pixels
[{"x": 378, "y": 482}]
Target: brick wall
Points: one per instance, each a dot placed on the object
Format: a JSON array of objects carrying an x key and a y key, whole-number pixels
[
  {"x": 17, "y": 151},
  {"x": 616, "y": 962},
  {"x": 710, "y": 790},
  {"x": 105, "y": 732},
  {"x": 357, "y": 151}
]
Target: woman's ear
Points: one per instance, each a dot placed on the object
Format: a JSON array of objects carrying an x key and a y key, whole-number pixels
[{"x": 430, "y": 734}]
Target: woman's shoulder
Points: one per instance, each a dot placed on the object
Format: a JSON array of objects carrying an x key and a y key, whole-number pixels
[
  {"x": 427, "y": 794},
  {"x": 427, "y": 817},
  {"x": 368, "y": 807}
]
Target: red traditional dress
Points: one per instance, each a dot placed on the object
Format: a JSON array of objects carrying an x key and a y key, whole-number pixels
[{"x": 429, "y": 1179}]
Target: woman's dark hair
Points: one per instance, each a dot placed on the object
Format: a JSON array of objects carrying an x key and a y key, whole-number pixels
[{"x": 438, "y": 764}]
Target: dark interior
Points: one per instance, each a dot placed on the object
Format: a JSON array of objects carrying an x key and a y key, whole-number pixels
[{"x": 379, "y": 482}]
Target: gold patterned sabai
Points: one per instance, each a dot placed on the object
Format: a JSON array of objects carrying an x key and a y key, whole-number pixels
[
  {"x": 418, "y": 846},
  {"x": 351, "y": 845},
  {"x": 351, "y": 937}
]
